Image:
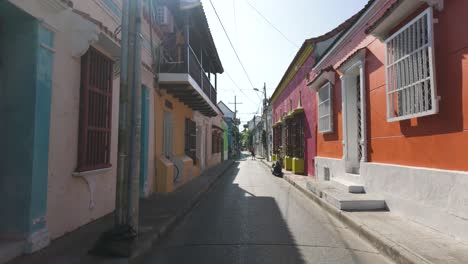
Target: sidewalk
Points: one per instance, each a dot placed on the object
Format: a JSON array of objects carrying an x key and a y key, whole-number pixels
[
  {"x": 402, "y": 240},
  {"x": 158, "y": 214}
]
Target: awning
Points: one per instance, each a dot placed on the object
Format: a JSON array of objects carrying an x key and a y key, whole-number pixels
[
  {"x": 396, "y": 13},
  {"x": 327, "y": 74}
]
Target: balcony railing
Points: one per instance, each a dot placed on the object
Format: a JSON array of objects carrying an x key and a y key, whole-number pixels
[{"x": 192, "y": 66}]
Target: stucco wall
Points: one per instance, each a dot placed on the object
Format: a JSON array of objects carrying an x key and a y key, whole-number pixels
[
  {"x": 290, "y": 95},
  {"x": 71, "y": 202},
  {"x": 437, "y": 141},
  {"x": 180, "y": 113}
]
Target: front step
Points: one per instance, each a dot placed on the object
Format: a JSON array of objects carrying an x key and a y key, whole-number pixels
[
  {"x": 348, "y": 186},
  {"x": 344, "y": 200}
]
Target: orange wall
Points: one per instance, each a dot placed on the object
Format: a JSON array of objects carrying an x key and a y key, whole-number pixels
[
  {"x": 437, "y": 141},
  {"x": 330, "y": 145}
]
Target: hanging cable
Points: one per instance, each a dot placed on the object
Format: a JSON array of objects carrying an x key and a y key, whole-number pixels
[
  {"x": 232, "y": 46},
  {"x": 271, "y": 24}
]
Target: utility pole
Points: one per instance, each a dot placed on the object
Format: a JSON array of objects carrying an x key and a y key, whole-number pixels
[
  {"x": 235, "y": 118},
  {"x": 127, "y": 193},
  {"x": 119, "y": 240},
  {"x": 235, "y": 107}
]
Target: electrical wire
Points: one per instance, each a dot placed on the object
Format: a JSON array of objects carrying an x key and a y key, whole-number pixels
[
  {"x": 232, "y": 46},
  {"x": 235, "y": 84},
  {"x": 271, "y": 24}
]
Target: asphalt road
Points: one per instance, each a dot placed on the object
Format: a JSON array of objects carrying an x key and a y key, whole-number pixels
[{"x": 251, "y": 216}]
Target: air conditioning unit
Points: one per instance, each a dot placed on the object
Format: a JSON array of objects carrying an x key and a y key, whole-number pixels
[{"x": 164, "y": 18}]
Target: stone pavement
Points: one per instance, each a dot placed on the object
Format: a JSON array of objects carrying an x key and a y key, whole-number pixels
[
  {"x": 158, "y": 214},
  {"x": 403, "y": 240}
]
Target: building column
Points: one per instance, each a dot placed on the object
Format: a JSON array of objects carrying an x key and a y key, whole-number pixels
[{"x": 27, "y": 49}]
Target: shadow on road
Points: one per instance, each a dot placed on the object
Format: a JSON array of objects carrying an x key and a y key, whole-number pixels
[{"x": 231, "y": 225}]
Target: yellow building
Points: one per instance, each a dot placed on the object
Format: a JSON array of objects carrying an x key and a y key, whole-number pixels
[{"x": 187, "y": 121}]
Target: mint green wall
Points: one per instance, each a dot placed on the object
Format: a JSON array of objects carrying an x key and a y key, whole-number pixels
[
  {"x": 25, "y": 92},
  {"x": 225, "y": 136}
]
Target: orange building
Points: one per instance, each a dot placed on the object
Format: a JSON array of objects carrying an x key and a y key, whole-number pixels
[{"x": 392, "y": 97}]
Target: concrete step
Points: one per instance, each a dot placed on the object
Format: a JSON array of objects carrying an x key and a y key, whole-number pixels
[
  {"x": 344, "y": 200},
  {"x": 10, "y": 249},
  {"x": 348, "y": 186}
]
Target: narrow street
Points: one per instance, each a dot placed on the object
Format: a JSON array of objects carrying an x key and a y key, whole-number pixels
[{"x": 251, "y": 216}]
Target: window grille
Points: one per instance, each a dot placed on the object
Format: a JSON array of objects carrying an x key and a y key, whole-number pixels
[
  {"x": 411, "y": 87},
  {"x": 95, "y": 111},
  {"x": 325, "y": 114},
  {"x": 289, "y": 139},
  {"x": 191, "y": 139},
  {"x": 299, "y": 136}
]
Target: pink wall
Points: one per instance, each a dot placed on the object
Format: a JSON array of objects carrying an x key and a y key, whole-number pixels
[{"x": 291, "y": 94}]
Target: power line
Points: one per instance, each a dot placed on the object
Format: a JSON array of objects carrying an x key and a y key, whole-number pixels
[
  {"x": 271, "y": 24},
  {"x": 232, "y": 46},
  {"x": 235, "y": 84}
]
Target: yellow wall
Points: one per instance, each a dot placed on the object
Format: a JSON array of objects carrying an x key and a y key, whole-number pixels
[{"x": 163, "y": 174}]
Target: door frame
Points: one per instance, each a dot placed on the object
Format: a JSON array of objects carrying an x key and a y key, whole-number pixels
[{"x": 353, "y": 67}]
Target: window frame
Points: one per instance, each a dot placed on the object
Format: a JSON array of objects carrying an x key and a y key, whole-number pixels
[
  {"x": 391, "y": 105},
  {"x": 86, "y": 161},
  {"x": 190, "y": 147},
  {"x": 328, "y": 86}
]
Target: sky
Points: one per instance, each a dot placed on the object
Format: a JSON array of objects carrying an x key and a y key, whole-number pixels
[{"x": 263, "y": 51}]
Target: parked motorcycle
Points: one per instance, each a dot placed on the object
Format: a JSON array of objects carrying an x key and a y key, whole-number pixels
[{"x": 277, "y": 168}]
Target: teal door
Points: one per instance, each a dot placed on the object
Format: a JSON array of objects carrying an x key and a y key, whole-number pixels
[{"x": 144, "y": 140}]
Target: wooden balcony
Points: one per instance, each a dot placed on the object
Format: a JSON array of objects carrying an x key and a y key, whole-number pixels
[{"x": 187, "y": 81}]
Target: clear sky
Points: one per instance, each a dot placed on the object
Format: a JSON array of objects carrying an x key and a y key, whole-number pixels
[{"x": 263, "y": 51}]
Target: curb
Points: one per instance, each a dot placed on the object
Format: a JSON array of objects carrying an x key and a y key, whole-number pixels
[
  {"x": 144, "y": 247},
  {"x": 395, "y": 252}
]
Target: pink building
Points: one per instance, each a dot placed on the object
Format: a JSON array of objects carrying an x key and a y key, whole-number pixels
[{"x": 294, "y": 107}]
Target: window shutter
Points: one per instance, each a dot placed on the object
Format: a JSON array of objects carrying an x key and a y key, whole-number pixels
[
  {"x": 325, "y": 111},
  {"x": 411, "y": 86},
  {"x": 95, "y": 111}
]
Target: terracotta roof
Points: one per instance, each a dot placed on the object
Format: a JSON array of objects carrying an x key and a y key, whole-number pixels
[
  {"x": 350, "y": 57},
  {"x": 341, "y": 28},
  {"x": 202, "y": 16},
  {"x": 322, "y": 71},
  {"x": 98, "y": 23}
]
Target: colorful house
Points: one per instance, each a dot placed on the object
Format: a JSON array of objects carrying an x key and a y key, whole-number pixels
[
  {"x": 229, "y": 118},
  {"x": 394, "y": 121},
  {"x": 59, "y": 95},
  {"x": 188, "y": 136},
  {"x": 294, "y": 114}
]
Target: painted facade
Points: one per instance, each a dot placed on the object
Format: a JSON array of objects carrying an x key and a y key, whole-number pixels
[
  {"x": 290, "y": 95},
  {"x": 294, "y": 108},
  {"x": 416, "y": 163},
  {"x": 187, "y": 119},
  {"x": 232, "y": 129},
  {"x": 52, "y": 196}
]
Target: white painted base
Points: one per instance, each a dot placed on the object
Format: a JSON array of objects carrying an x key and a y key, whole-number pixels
[
  {"x": 435, "y": 198},
  {"x": 432, "y": 197},
  {"x": 37, "y": 241}
]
